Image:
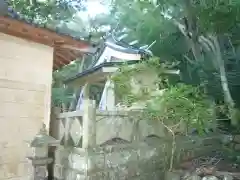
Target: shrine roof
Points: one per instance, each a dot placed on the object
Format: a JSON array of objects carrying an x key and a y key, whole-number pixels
[
  {"x": 123, "y": 47},
  {"x": 120, "y": 49}
]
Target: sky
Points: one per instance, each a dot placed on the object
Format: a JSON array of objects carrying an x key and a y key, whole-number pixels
[{"x": 93, "y": 9}]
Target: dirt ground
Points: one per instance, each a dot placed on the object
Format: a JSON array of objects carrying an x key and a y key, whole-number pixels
[{"x": 218, "y": 161}]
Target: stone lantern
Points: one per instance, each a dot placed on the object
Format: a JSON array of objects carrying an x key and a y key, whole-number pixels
[{"x": 40, "y": 160}]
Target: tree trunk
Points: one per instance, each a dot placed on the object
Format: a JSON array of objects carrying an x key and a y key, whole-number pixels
[
  {"x": 197, "y": 42},
  {"x": 191, "y": 33},
  {"x": 224, "y": 82}
]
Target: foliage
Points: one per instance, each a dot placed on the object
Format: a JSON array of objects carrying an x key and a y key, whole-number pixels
[
  {"x": 178, "y": 28},
  {"x": 178, "y": 107},
  {"x": 155, "y": 20},
  {"x": 218, "y": 16},
  {"x": 173, "y": 105},
  {"x": 60, "y": 93},
  {"x": 144, "y": 22},
  {"x": 61, "y": 96},
  {"x": 123, "y": 79},
  {"x": 41, "y": 12},
  {"x": 182, "y": 103}
]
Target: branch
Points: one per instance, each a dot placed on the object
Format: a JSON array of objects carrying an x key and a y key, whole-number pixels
[
  {"x": 205, "y": 42},
  {"x": 233, "y": 48},
  {"x": 188, "y": 59},
  {"x": 180, "y": 26},
  {"x": 208, "y": 45},
  {"x": 173, "y": 145},
  {"x": 208, "y": 42}
]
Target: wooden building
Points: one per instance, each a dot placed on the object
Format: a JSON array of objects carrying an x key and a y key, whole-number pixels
[{"x": 28, "y": 55}]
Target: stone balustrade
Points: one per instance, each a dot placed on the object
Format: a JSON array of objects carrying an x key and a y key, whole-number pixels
[{"x": 111, "y": 145}]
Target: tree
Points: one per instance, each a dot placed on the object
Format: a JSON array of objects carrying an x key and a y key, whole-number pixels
[
  {"x": 42, "y": 12},
  {"x": 203, "y": 36},
  {"x": 195, "y": 33}
]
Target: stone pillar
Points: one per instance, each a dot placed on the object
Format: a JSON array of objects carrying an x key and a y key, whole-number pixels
[
  {"x": 89, "y": 134},
  {"x": 89, "y": 123},
  {"x": 40, "y": 159}
]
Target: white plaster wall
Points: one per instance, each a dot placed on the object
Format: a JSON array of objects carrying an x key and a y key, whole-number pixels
[{"x": 25, "y": 91}]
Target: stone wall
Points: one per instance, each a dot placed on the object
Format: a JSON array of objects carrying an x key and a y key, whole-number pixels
[
  {"x": 138, "y": 160},
  {"x": 115, "y": 145}
]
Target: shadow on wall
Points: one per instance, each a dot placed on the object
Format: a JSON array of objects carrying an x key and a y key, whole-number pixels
[
  {"x": 115, "y": 141},
  {"x": 151, "y": 139}
]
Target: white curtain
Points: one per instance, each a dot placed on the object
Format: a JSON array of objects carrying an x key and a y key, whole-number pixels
[
  {"x": 80, "y": 100},
  {"x": 107, "y": 100}
]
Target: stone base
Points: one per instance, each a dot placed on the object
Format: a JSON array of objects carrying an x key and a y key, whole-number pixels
[{"x": 140, "y": 160}]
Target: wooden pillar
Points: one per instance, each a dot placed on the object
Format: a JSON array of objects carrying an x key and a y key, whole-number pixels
[{"x": 89, "y": 123}]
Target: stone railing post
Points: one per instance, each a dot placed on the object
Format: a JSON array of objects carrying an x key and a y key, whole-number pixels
[
  {"x": 40, "y": 159},
  {"x": 89, "y": 133},
  {"x": 89, "y": 123}
]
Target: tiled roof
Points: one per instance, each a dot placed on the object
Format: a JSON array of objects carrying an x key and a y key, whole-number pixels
[
  {"x": 17, "y": 16},
  {"x": 13, "y": 24}
]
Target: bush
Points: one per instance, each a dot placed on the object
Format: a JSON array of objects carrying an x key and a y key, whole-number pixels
[{"x": 178, "y": 104}]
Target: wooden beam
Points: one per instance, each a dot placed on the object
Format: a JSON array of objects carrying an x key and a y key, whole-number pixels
[
  {"x": 68, "y": 53},
  {"x": 75, "y": 54},
  {"x": 60, "y": 61},
  {"x": 64, "y": 57},
  {"x": 88, "y": 49},
  {"x": 57, "y": 63},
  {"x": 71, "y": 55},
  {"x": 41, "y": 35},
  {"x": 44, "y": 36},
  {"x": 26, "y": 36},
  {"x": 55, "y": 67}
]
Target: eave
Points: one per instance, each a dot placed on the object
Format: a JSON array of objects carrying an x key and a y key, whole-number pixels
[{"x": 62, "y": 55}]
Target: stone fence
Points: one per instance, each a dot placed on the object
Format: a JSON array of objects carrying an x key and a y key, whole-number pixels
[
  {"x": 138, "y": 160},
  {"x": 113, "y": 146},
  {"x": 90, "y": 127}
]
